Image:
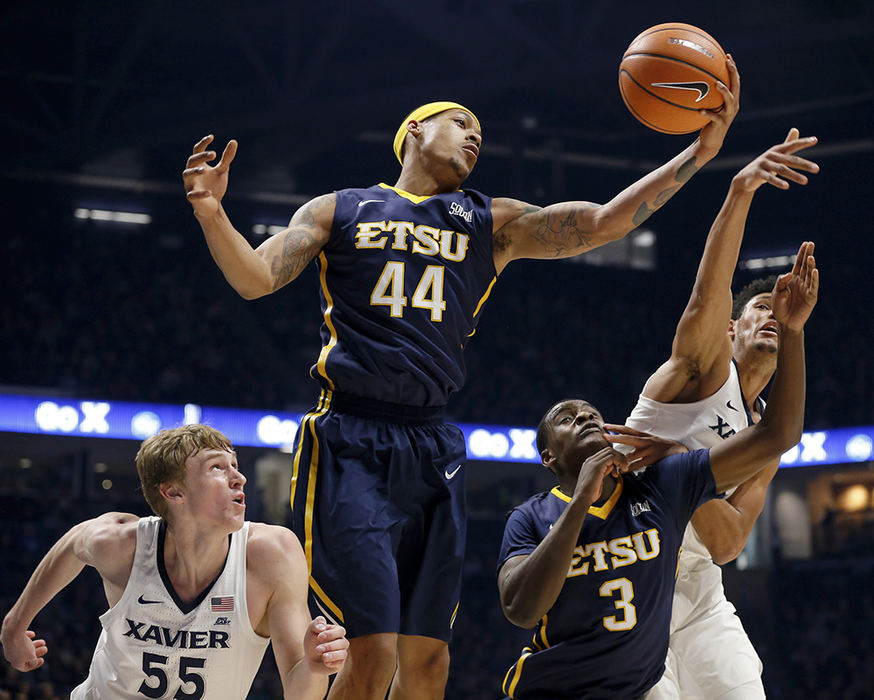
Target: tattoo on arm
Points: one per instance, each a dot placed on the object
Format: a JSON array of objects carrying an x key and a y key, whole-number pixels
[
  {"x": 298, "y": 247},
  {"x": 642, "y": 214},
  {"x": 559, "y": 232},
  {"x": 501, "y": 238},
  {"x": 295, "y": 254},
  {"x": 684, "y": 173},
  {"x": 665, "y": 195},
  {"x": 687, "y": 170}
]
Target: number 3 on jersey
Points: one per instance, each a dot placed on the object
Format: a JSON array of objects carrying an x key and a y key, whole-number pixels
[
  {"x": 623, "y": 604},
  {"x": 389, "y": 290}
]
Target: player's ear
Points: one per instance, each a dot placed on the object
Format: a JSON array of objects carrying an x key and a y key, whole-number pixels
[
  {"x": 172, "y": 492},
  {"x": 547, "y": 459},
  {"x": 731, "y": 328}
]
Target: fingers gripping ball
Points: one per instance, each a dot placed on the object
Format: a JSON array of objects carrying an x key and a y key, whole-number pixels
[{"x": 669, "y": 73}]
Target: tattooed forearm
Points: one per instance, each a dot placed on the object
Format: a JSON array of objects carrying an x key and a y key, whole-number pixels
[
  {"x": 642, "y": 214},
  {"x": 684, "y": 173},
  {"x": 687, "y": 170},
  {"x": 665, "y": 195}
]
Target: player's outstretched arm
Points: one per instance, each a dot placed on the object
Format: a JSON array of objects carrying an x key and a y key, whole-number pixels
[
  {"x": 252, "y": 273},
  {"x": 743, "y": 455},
  {"x": 570, "y": 228},
  {"x": 306, "y": 651},
  {"x": 529, "y": 584},
  {"x": 105, "y": 543},
  {"x": 702, "y": 347}
]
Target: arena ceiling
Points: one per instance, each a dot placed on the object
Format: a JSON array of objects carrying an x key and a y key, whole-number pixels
[{"x": 112, "y": 95}]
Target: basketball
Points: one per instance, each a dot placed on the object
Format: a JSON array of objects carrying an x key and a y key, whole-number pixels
[{"x": 669, "y": 73}]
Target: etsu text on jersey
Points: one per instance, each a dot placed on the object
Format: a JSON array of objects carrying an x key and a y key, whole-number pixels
[
  {"x": 622, "y": 551},
  {"x": 426, "y": 240}
]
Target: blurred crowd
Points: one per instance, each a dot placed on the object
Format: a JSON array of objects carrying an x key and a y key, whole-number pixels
[{"x": 142, "y": 316}]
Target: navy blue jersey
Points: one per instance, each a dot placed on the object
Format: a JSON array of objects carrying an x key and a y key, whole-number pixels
[
  {"x": 607, "y": 634},
  {"x": 403, "y": 281}
]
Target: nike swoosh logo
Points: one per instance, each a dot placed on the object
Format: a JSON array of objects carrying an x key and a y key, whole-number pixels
[
  {"x": 143, "y": 601},
  {"x": 366, "y": 201},
  {"x": 728, "y": 403},
  {"x": 703, "y": 89},
  {"x": 449, "y": 474}
]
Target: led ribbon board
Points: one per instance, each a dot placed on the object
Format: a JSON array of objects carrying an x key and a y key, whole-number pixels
[{"x": 128, "y": 420}]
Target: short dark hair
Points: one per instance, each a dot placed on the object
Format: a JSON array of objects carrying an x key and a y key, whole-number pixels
[
  {"x": 754, "y": 288},
  {"x": 542, "y": 433}
]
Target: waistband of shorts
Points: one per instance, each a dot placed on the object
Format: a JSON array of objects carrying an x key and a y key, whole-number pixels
[{"x": 386, "y": 411}]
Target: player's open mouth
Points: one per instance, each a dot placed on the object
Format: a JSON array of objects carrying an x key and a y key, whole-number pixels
[
  {"x": 770, "y": 328},
  {"x": 240, "y": 500}
]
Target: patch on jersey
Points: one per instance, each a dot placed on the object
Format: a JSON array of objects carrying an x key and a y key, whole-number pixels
[
  {"x": 221, "y": 603},
  {"x": 457, "y": 210},
  {"x": 638, "y": 508},
  {"x": 222, "y": 621}
]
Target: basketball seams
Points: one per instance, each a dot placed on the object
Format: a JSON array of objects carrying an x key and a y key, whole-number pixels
[
  {"x": 661, "y": 99},
  {"x": 694, "y": 31},
  {"x": 670, "y": 58}
]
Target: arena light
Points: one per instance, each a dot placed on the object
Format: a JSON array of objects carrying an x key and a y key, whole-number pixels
[
  {"x": 116, "y": 217},
  {"x": 267, "y": 230},
  {"x": 769, "y": 263}
]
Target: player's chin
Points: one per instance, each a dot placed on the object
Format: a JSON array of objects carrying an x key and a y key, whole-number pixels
[
  {"x": 462, "y": 167},
  {"x": 768, "y": 345}
]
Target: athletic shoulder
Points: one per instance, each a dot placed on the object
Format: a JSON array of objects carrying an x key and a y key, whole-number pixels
[
  {"x": 108, "y": 543},
  {"x": 272, "y": 548},
  {"x": 110, "y": 532}
]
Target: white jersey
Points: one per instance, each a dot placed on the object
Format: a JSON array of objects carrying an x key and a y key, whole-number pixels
[
  {"x": 155, "y": 646},
  {"x": 697, "y": 425}
]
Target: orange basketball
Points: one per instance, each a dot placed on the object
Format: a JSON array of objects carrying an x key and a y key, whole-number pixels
[{"x": 668, "y": 73}]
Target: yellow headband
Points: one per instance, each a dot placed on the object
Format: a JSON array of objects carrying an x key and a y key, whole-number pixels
[{"x": 423, "y": 112}]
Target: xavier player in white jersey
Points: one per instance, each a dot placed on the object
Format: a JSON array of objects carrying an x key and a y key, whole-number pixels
[
  {"x": 195, "y": 595},
  {"x": 721, "y": 359}
]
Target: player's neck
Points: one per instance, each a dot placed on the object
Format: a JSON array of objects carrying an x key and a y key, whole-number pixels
[
  {"x": 754, "y": 371},
  {"x": 424, "y": 182},
  {"x": 567, "y": 486},
  {"x": 193, "y": 559}
]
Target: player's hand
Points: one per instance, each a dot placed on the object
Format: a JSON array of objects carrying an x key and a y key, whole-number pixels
[
  {"x": 712, "y": 135},
  {"x": 778, "y": 162},
  {"x": 23, "y": 651},
  {"x": 648, "y": 449},
  {"x": 796, "y": 292},
  {"x": 590, "y": 482},
  {"x": 205, "y": 184},
  {"x": 325, "y": 646}
]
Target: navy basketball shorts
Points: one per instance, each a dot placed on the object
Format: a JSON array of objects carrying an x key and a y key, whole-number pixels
[{"x": 377, "y": 499}]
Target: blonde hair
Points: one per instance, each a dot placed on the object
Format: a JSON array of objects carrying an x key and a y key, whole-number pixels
[{"x": 161, "y": 459}]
